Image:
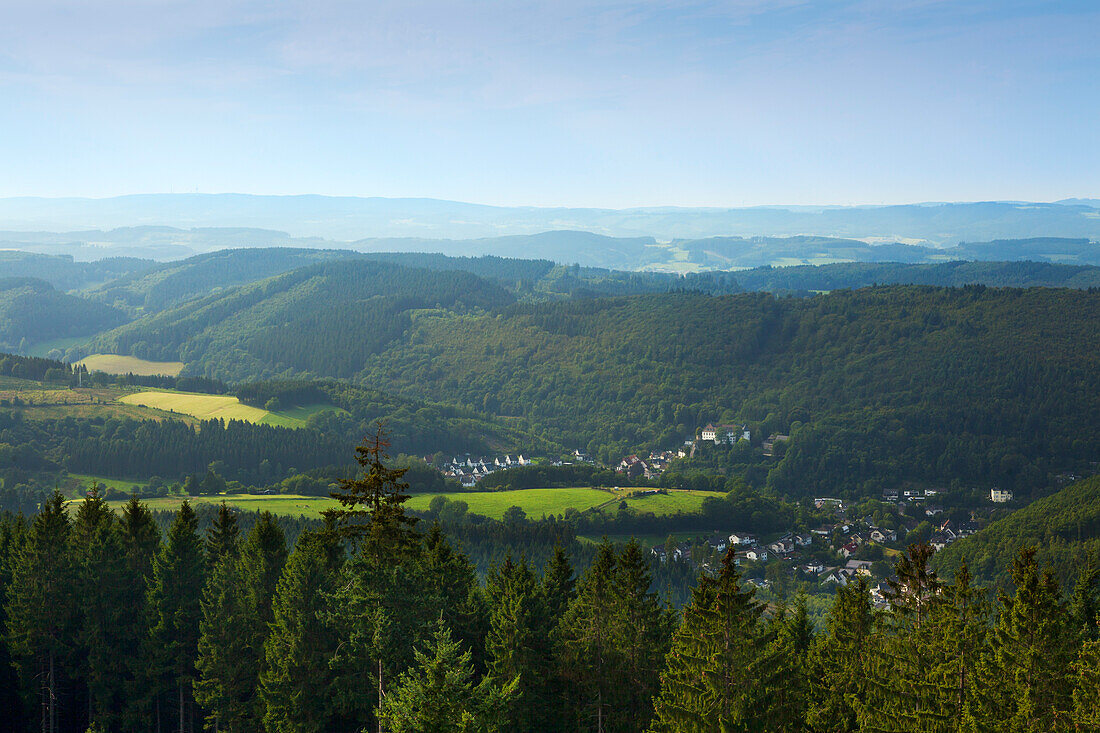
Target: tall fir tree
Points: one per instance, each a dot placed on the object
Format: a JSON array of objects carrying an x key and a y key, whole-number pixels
[
  {"x": 1025, "y": 674},
  {"x": 586, "y": 655},
  {"x": 900, "y": 695},
  {"x": 452, "y": 588},
  {"x": 839, "y": 662},
  {"x": 558, "y": 590},
  {"x": 12, "y": 537},
  {"x": 296, "y": 677},
  {"x": 516, "y": 643},
  {"x": 175, "y": 594},
  {"x": 41, "y": 609},
  {"x": 141, "y": 538},
  {"x": 104, "y": 585},
  {"x": 438, "y": 694},
  {"x": 641, "y": 630},
  {"x": 221, "y": 536},
  {"x": 377, "y": 607},
  {"x": 224, "y": 686},
  {"x": 372, "y": 508},
  {"x": 1086, "y": 692},
  {"x": 712, "y": 679}
]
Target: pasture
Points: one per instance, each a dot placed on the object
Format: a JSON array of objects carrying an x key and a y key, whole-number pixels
[
  {"x": 286, "y": 505},
  {"x": 118, "y": 364},
  {"x": 536, "y": 503},
  {"x": 221, "y": 407}
]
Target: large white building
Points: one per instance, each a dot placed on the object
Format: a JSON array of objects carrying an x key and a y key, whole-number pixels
[{"x": 998, "y": 496}]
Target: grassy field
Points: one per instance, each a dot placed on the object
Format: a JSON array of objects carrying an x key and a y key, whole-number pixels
[
  {"x": 116, "y": 364},
  {"x": 684, "y": 500},
  {"x": 287, "y": 505},
  {"x": 535, "y": 502},
  {"x": 84, "y": 481}
]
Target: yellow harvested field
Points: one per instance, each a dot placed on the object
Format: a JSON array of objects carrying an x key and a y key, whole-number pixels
[
  {"x": 117, "y": 364},
  {"x": 202, "y": 406}
]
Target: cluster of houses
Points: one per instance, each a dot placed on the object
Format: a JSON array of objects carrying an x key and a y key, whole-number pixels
[
  {"x": 653, "y": 466},
  {"x": 747, "y": 548},
  {"x": 467, "y": 469},
  {"x": 795, "y": 548}
]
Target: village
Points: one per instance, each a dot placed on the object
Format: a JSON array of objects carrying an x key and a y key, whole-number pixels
[
  {"x": 657, "y": 462},
  {"x": 836, "y": 552}
]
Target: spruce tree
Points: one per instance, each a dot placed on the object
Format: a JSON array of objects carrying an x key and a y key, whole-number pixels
[
  {"x": 558, "y": 584},
  {"x": 439, "y": 694},
  {"x": 641, "y": 632},
  {"x": 224, "y": 686},
  {"x": 516, "y": 643},
  {"x": 586, "y": 655},
  {"x": 12, "y": 537},
  {"x": 140, "y": 540},
  {"x": 221, "y": 536},
  {"x": 296, "y": 678},
  {"x": 41, "y": 608},
  {"x": 1024, "y": 676},
  {"x": 377, "y": 608},
  {"x": 452, "y": 589},
  {"x": 175, "y": 594},
  {"x": 839, "y": 662},
  {"x": 104, "y": 585},
  {"x": 558, "y": 590},
  {"x": 372, "y": 511},
  {"x": 140, "y": 537},
  {"x": 900, "y": 696},
  {"x": 711, "y": 678},
  {"x": 1086, "y": 693},
  {"x": 957, "y": 632}
]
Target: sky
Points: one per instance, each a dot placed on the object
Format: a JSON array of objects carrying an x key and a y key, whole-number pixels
[{"x": 564, "y": 103}]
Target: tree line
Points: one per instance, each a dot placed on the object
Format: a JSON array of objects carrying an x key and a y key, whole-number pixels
[{"x": 370, "y": 623}]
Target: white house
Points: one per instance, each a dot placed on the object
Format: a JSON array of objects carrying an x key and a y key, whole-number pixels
[
  {"x": 742, "y": 538},
  {"x": 756, "y": 554},
  {"x": 997, "y": 496}
]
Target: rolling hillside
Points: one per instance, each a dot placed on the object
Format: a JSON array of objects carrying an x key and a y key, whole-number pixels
[
  {"x": 322, "y": 320},
  {"x": 879, "y": 386},
  {"x": 1065, "y": 527},
  {"x": 32, "y": 311}
]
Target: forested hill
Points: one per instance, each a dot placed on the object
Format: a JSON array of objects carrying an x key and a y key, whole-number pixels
[
  {"x": 808, "y": 278},
  {"x": 64, "y": 273},
  {"x": 877, "y": 386},
  {"x": 1065, "y": 527},
  {"x": 173, "y": 283},
  {"x": 32, "y": 311},
  {"x": 321, "y": 320}
]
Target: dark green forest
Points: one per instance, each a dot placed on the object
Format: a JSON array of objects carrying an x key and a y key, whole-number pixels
[
  {"x": 33, "y": 307},
  {"x": 112, "y": 623}
]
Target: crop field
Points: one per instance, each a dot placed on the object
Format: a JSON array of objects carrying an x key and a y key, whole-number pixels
[
  {"x": 202, "y": 406},
  {"x": 117, "y": 364},
  {"x": 221, "y": 407}
]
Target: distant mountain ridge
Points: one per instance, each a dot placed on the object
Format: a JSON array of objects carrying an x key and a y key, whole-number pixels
[{"x": 352, "y": 218}]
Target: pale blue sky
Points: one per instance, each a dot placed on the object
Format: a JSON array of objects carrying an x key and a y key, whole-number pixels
[{"x": 554, "y": 103}]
